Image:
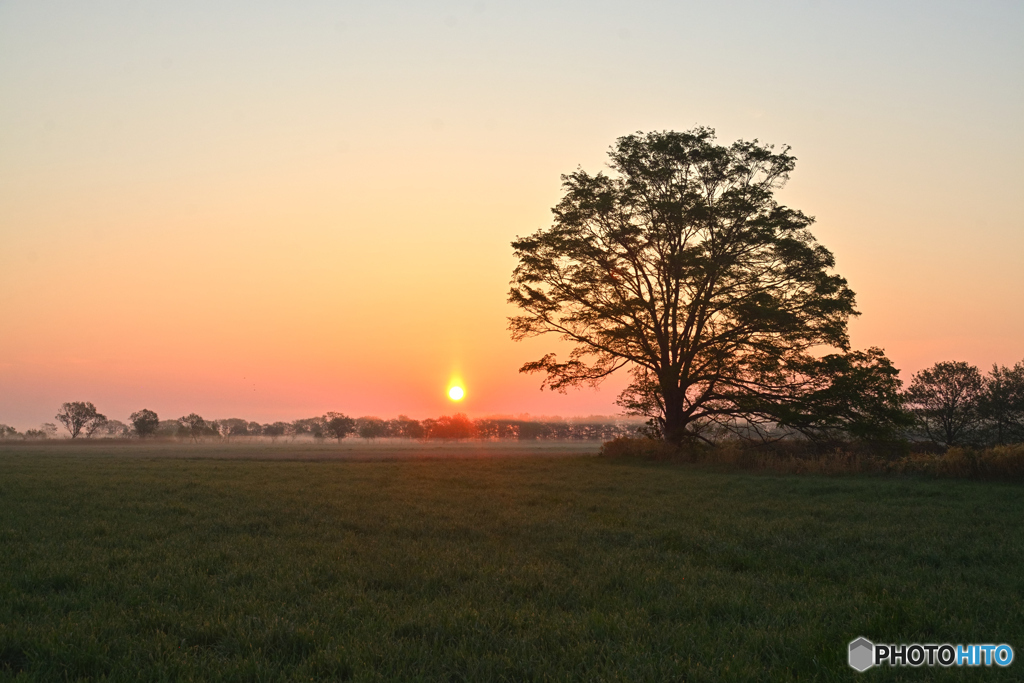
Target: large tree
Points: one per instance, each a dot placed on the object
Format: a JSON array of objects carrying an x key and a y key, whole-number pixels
[
  {"x": 78, "y": 415},
  {"x": 681, "y": 267}
]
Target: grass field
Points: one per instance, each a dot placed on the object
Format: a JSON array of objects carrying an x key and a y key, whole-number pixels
[{"x": 121, "y": 567}]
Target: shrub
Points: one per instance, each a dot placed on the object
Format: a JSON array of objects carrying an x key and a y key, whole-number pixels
[{"x": 1000, "y": 462}]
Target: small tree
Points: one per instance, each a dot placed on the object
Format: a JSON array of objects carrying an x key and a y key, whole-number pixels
[
  {"x": 97, "y": 425},
  {"x": 145, "y": 422},
  {"x": 457, "y": 426},
  {"x": 405, "y": 427},
  {"x": 115, "y": 429},
  {"x": 233, "y": 426},
  {"x": 8, "y": 432},
  {"x": 46, "y": 430},
  {"x": 339, "y": 425},
  {"x": 946, "y": 400},
  {"x": 275, "y": 430},
  {"x": 314, "y": 426},
  {"x": 78, "y": 415},
  {"x": 371, "y": 428},
  {"x": 169, "y": 429},
  {"x": 1002, "y": 403},
  {"x": 193, "y": 425}
]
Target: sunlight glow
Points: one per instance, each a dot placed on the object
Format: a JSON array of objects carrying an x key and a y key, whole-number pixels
[{"x": 456, "y": 393}]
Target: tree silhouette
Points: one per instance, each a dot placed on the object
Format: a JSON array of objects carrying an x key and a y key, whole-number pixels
[
  {"x": 405, "y": 427},
  {"x": 371, "y": 428},
  {"x": 275, "y": 430},
  {"x": 856, "y": 393},
  {"x": 338, "y": 425},
  {"x": 232, "y": 427},
  {"x": 682, "y": 268},
  {"x": 946, "y": 400},
  {"x": 1002, "y": 403},
  {"x": 78, "y": 415},
  {"x": 145, "y": 422},
  {"x": 193, "y": 425},
  {"x": 457, "y": 426},
  {"x": 98, "y": 423}
]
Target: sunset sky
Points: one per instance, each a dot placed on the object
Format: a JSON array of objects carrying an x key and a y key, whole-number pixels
[{"x": 272, "y": 210}]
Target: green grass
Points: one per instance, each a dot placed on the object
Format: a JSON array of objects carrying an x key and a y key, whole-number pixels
[{"x": 123, "y": 568}]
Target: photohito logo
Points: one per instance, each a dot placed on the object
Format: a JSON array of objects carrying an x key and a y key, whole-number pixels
[{"x": 864, "y": 654}]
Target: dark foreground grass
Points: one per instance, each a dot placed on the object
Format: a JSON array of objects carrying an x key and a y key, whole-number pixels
[{"x": 509, "y": 569}]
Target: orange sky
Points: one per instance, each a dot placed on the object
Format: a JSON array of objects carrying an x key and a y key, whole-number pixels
[{"x": 274, "y": 212}]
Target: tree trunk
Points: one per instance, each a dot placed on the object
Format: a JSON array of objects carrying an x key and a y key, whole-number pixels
[{"x": 675, "y": 421}]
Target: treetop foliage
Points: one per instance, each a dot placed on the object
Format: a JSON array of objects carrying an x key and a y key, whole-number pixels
[
  {"x": 78, "y": 415},
  {"x": 854, "y": 394},
  {"x": 953, "y": 403},
  {"x": 682, "y": 267}
]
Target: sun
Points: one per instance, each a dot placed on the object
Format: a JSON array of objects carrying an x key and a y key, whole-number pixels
[{"x": 456, "y": 393}]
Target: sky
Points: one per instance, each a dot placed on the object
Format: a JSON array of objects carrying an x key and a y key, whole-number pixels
[{"x": 271, "y": 210}]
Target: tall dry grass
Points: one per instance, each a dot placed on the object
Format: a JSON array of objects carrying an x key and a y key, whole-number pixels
[{"x": 997, "y": 463}]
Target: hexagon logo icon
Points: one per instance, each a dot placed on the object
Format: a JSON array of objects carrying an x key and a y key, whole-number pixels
[{"x": 862, "y": 654}]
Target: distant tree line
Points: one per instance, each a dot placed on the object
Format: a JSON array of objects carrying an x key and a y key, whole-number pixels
[
  {"x": 952, "y": 403},
  {"x": 82, "y": 420},
  {"x": 949, "y": 404}
]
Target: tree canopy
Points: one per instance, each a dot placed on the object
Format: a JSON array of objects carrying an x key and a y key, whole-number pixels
[
  {"x": 78, "y": 415},
  {"x": 681, "y": 267},
  {"x": 954, "y": 404},
  {"x": 1002, "y": 403},
  {"x": 339, "y": 425},
  {"x": 193, "y": 425},
  {"x": 945, "y": 400},
  {"x": 145, "y": 422}
]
